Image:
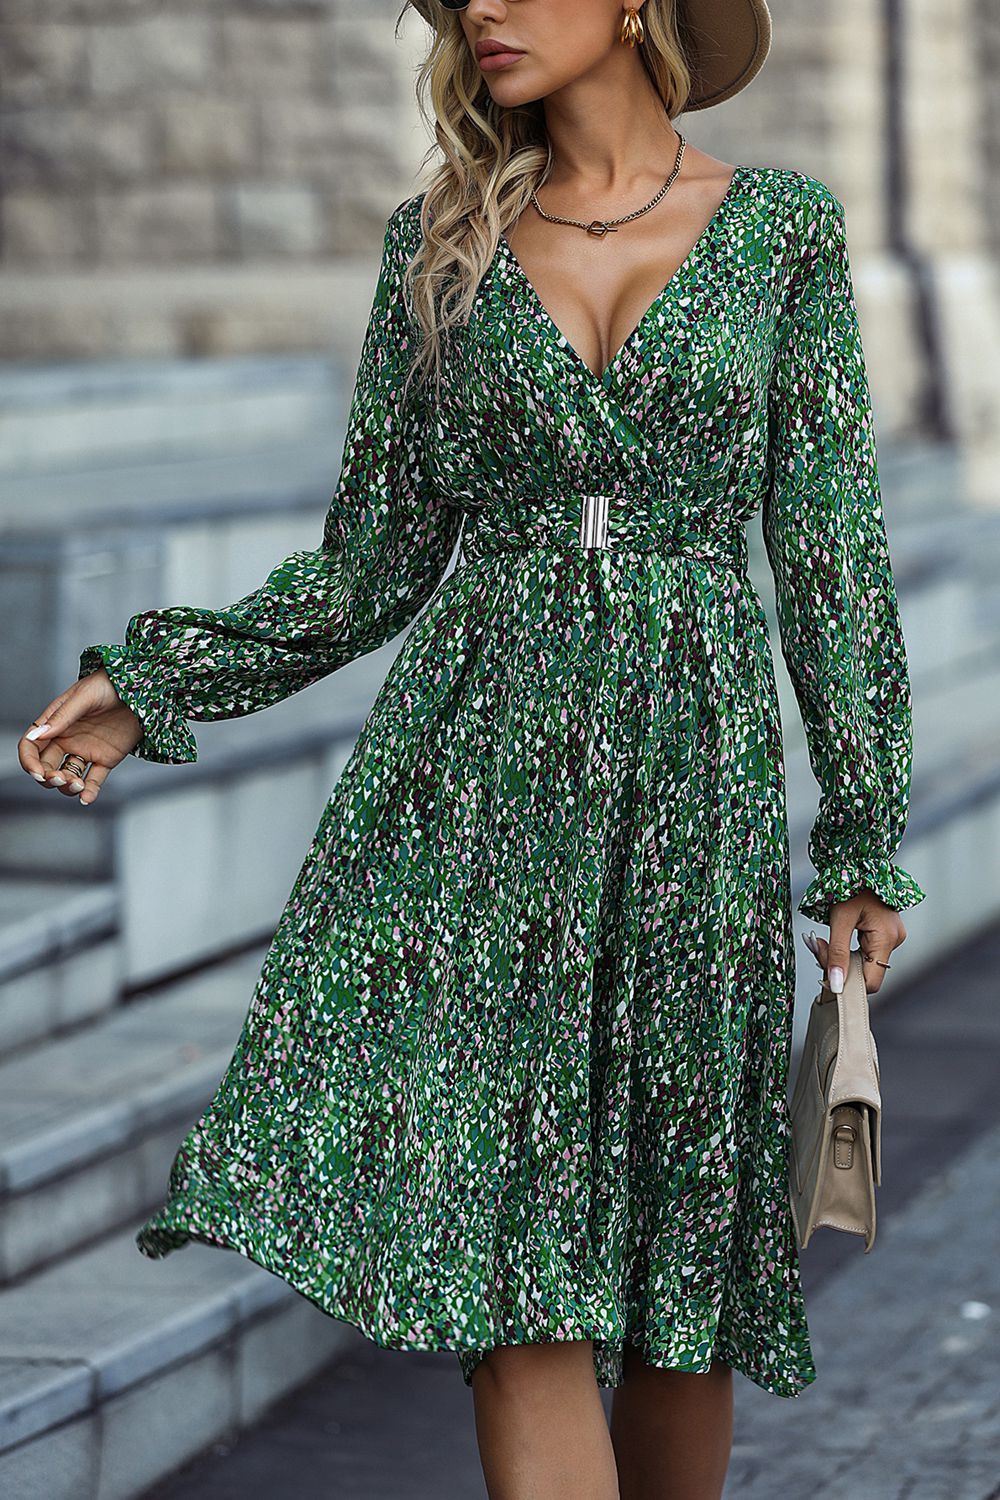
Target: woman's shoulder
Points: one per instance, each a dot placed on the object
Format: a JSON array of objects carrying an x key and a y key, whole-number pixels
[
  {"x": 404, "y": 223},
  {"x": 792, "y": 194},
  {"x": 801, "y": 218},
  {"x": 413, "y": 204}
]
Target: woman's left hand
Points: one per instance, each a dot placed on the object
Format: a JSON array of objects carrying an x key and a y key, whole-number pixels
[{"x": 880, "y": 931}]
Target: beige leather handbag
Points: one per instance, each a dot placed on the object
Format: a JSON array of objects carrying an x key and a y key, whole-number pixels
[{"x": 835, "y": 1161}]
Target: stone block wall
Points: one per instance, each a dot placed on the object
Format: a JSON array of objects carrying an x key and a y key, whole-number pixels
[
  {"x": 162, "y": 134},
  {"x": 137, "y": 136}
]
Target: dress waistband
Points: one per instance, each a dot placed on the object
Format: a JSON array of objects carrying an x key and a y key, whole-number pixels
[{"x": 599, "y": 522}]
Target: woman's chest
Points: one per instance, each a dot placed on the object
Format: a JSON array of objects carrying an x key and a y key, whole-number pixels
[{"x": 691, "y": 376}]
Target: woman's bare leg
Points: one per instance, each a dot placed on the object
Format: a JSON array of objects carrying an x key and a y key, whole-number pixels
[
  {"x": 672, "y": 1431},
  {"x": 540, "y": 1424}
]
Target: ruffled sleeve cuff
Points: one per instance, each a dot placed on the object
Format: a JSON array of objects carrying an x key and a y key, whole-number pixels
[
  {"x": 892, "y": 884},
  {"x": 166, "y": 738}
]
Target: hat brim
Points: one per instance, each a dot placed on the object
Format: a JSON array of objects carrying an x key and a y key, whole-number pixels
[{"x": 725, "y": 43}]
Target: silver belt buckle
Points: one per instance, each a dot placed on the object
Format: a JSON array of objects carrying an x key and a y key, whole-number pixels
[{"x": 594, "y": 521}]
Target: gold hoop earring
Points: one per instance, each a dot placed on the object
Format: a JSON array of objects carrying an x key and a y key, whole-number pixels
[{"x": 632, "y": 28}]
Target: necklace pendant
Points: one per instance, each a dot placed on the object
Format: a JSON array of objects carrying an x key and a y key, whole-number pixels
[{"x": 599, "y": 228}]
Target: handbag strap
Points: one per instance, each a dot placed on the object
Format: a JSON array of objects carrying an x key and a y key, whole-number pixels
[{"x": 855, "y": 1074}]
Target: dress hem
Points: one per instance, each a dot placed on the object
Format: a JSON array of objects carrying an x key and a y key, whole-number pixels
[{"x": 156, "y": 1240}]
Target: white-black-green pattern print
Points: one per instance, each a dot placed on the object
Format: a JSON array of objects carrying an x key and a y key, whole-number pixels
[{"x": 515, "y": 1065}]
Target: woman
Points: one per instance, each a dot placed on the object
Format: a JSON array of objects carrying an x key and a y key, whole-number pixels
[{"x": 512, "y": 1081}]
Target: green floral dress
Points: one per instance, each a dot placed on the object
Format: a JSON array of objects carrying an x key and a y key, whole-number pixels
[{"x": 515, "y": 1066}]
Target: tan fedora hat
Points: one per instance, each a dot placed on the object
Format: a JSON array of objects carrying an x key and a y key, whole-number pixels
[{"x": 725, "y": 43}]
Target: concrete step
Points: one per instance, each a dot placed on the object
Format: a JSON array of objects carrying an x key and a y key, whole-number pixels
[
  {"x": 203, "y": 855},
  {"x": 78, "y": 571},
  {"x": 921, "y": 481},
  {"x": 90, "y": 1122},
  {"x": 65, "y": 587},
  {"x": 130, "y": 485},
  {"x": 60, "y": 957},
  {"x": 261, "y": 476},
  {"x": 76, "y": 414},
  {"x": 116, "y": 1369}
]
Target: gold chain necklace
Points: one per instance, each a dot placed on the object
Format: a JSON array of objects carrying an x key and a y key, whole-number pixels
[{"x": 601, "y": 227}]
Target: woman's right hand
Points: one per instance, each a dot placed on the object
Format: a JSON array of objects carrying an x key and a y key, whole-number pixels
[{"x": 89, "y": 720}]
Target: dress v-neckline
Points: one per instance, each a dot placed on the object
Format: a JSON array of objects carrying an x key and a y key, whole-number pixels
[{"x": 690, "y": 258}]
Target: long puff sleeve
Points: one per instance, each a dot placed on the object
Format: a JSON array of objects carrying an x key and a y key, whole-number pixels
[
  {"x": 386, "y": 542},
  {"x": 825, "y": 538}
]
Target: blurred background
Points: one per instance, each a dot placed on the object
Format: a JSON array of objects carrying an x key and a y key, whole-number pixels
[{"x": 192, "y": 201}]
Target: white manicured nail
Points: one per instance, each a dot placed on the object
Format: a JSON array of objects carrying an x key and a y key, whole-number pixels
[
  {"x": 58, "y": 781},
  {"x": 810, "y": 943},
  {"x": 38, "y": 775},
  {"x": 33, "y": 734},
  {"x": 836, "y": 981}
]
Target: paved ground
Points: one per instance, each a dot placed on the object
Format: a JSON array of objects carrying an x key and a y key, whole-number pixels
[{"x": 907, "y": 1403}]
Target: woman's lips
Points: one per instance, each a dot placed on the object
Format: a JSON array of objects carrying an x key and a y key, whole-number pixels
[{"x": 490, "y": 61}]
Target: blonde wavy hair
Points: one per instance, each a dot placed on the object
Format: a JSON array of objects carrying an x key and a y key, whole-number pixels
[{"x": 493, "y": 158}]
